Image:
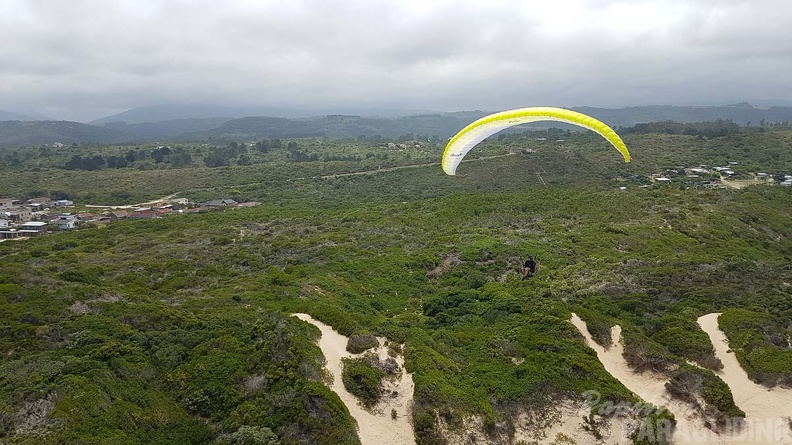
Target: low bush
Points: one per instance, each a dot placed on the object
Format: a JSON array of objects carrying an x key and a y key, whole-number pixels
[
  {"x": 361, "y": 342},
  {"x": 363, "y": 380}
]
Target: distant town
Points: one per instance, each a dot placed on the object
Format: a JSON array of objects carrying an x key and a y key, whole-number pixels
[
  {"x": 702, "y": 176},
  {"x": 39, "y": 216}
]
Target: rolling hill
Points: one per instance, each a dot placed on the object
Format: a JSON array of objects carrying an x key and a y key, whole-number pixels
[{"x": 202, "y": 123}]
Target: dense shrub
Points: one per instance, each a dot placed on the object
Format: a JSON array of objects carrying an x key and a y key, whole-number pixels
[
  {"x": 643, "y": 354},
  {"x": 361, "y": 342},
  {"x": 363, "y": 380},
  {"x": 255, "y": 435},
  {"x": 692, "y": 344},
  {"x": 597, "y": 325},
  {"x": 690, "y": 383},
  {"x": 751, "y": 336},
  {"x": 181, "y": 333}
]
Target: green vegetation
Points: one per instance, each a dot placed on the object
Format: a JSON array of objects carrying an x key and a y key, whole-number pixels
[
  {"x": 363, "y": 379},
  {"x": 761, "y": 342},
  {"x": 176, "y": 330},
  {"x": 691, "y": 384},
  {"x": 360, "y": 343}
]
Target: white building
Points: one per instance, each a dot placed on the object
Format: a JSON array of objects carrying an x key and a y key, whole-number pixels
[
  {"x": 38, "y": 226},
  {"x": 66, "y": 221}
]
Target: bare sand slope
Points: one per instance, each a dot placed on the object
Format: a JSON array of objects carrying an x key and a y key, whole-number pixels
[
  {"x": 647, "y": 385},
  {"x": 767, "y": 411},
  {"x": 375, "y": 427}
]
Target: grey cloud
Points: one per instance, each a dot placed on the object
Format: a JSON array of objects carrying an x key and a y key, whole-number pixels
[{"x": 83, "y": 57}]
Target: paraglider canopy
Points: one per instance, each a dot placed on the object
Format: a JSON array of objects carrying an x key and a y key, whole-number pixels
[{"x": 481, "y": 129}]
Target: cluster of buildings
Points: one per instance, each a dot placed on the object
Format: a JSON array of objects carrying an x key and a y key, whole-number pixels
[
  {"x": 39, "y": 216},
  {"x": 706, "y": 177},
  {"x": 28, "y": 219}
]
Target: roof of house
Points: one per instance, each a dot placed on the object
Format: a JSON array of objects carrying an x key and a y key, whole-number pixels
[
  {"x": 220, "y": 202},
  {"x": 142, "y": 213}
]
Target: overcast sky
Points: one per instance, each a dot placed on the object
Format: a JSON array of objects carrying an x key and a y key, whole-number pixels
[{"x": 83, "y": 59}]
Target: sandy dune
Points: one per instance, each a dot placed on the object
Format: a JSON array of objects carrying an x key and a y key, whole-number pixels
[
  {"x": 767, "y": 411},
  {"x": 375, "y": 427},
  {"x": 648, "y": 386}
]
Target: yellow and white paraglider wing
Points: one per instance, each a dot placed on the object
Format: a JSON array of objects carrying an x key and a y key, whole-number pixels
[{"x": 485, "y": 127}]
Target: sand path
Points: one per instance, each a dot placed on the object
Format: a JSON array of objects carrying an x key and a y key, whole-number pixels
[
  {"x": 375, "y": 427},
  {"x": 647, "y": 385},
  {"x": 767, "y": 411}
]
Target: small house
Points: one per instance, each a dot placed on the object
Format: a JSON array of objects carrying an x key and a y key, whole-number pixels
[
  {"x": 64, "y": 203},
  {"x": 44, "y": 202},
  {"x": 9, "y": 234},
  {"x": 220, "y": 203},
  {"x": 50, "y": 216},
  {"x": 66, "y": 221},
  {"x": 142, "y": 214},
  {"x": 37, "y": 226},
  {"x": 115, "y": 215},
  {"x": 163, "y": 211},
  {"x": 20, "y": 215}
]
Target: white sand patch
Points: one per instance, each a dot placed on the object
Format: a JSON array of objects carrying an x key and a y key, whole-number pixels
[
  {"x": 568, "y": 424},
  {"x": 556, "y": 425},
  {"x": 767, "y": 411},
  {"x": 376, "y": 426}
]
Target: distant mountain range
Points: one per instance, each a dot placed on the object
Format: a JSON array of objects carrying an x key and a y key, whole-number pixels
[
  {"x": 167, "y": 112},
  {"x": 36, "y": 133},
  {"x": 9, "y": 116},
  {"x": 742, "y": 113},
  {"x": 195, "y": 124}
]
